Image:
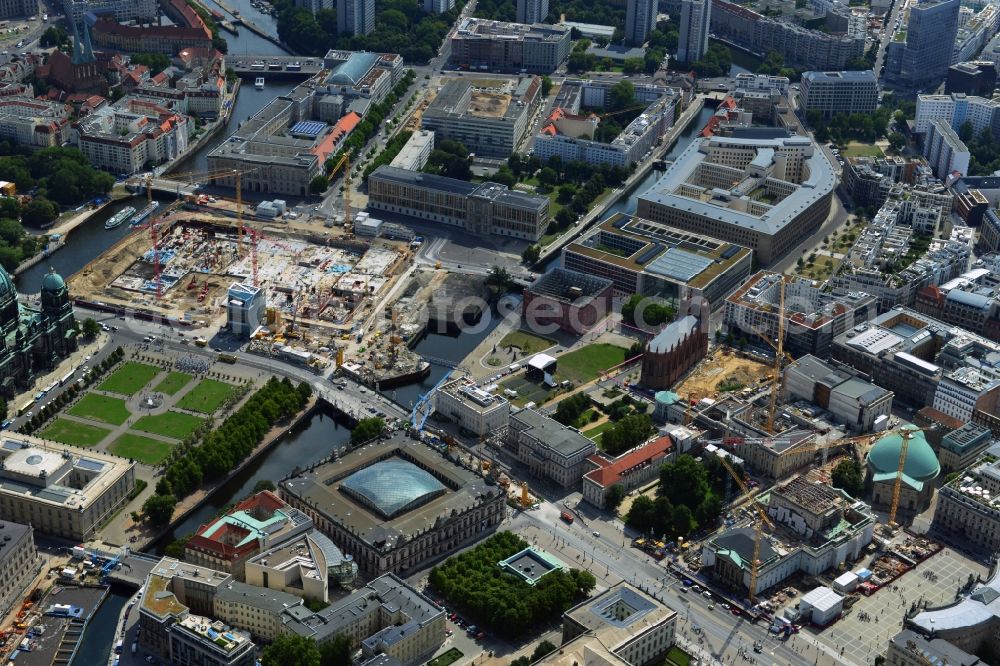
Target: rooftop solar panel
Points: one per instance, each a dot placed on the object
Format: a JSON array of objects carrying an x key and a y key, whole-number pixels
[{"x": 308, "y": 127}]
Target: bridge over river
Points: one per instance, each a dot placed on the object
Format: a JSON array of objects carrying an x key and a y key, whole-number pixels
[{"x": 285, "y": 67}]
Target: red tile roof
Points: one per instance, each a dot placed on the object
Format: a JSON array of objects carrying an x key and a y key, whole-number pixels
[{"x": 610, "y": 471}]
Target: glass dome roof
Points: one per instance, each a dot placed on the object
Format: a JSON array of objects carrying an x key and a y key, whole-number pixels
[{"x": 392, "y": 486}]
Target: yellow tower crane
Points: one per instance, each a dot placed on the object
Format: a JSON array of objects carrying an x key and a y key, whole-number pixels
[
  {"x": 762, "y": 519},
  {"x": 345, "y": 162},
  {"x": 200, "y": 177},
  {"x": 779, "y": 353}
]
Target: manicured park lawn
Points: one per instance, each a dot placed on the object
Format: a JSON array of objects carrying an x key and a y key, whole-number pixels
[
  {"x": 449, "y": 657},
  {"x": 596, "y": 432},
  {"x": 143, "y": 449},
  {"x": 586, "y": 363},
  {"x": 101, "y": 408},
  {"x": 528, "y": 343},
  {"x": 74, "y": 433},
  {"x": 129, "y": 378},
  {"x": 678, "y": 657},
  {"x": 855, "y": 149},
  {"x": 168, "y": 424},
  {"x": 173, "y": 383},
  {"x": 206, "y": 397}
]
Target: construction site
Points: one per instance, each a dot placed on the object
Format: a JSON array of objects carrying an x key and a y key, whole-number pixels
[{"x": 725, "y": 370}]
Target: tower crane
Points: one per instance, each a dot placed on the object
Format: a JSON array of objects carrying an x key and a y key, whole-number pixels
[
  {"x": 345, "y": 163},
  {"x": 762, "y": 519},
  {"x": 779, "y": 353},
  {"x": 210, "y": 176}
]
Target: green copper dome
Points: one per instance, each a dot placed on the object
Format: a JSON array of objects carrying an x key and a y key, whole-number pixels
[
  {"x": 52, "y": 281},
  {"x": 921, "y": 464}
]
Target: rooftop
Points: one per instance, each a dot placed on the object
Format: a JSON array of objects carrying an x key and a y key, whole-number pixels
[
  {"x": 392, "y": 487},
  {"x": 569, "y": 286},
  {"x": 565, "y": 440},
  {"x": 619, "y": 614},
  {"x": 531, "y": 564}
]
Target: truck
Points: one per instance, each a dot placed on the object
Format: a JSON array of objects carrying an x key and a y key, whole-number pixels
[
  {"x": 201, "y": 342},
  {"x": 567, "y": 517}
]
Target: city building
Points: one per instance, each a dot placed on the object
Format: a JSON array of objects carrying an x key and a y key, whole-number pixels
[
  {"x": 762, "y": 191},
  {"x": 38, "y": 338},
  {"x": 245, "y": 309},
  {"x": 123, "y": 11},
  {"x": 480, "y": 413},
  {"x": 630, "y": 470},
  {"x": 956, "y": 108},
  {"x": 920, "y": 469},
  {"x": 813, "y": 317},
  {"x": 918, "y": 56},
  {"x": 549, "y": 449},
  {"x": 970, "y": 623},
  {"x": 313, "y": 6},
  {"x": 413, "y": 155},
  {"x": 494, "y": 45},
  {"x": 303, "y": 565},
  {"x": 977, "y": 23},
  {"x": 19, "y": 562},
  {"x": 673, "y": 351},
  {"x": 59, "y": 492},
  {"x": 817, "y": 528},
  {"x": 490, "y": 122},
  {"x": 34, "y": 122},
  {"x": 960, "y": 447},
  {"x": 909, "y": 648},
  {"x": 532, "y": 11},
  {"x": 620, "y": 626},
  {"x": 958, "y": 391},
  {"x": 80, "y": 72},
  {"x": 569, "y": 300},
  {"x": 16, "y": 8},
  {"x": 972, "y": 78},
  {"x": 438, "y": 6},
  {"x": 355, "y": 17},
  {"x": 800, "y": 46},
  {"x": 568, "y": 136},
  {"x": 656, "y": 259},
  {"x": 395, "y": 506},
  {"x": 133, "y": 134},
  {"x": 480, "y": 209},
  {"x": 254, "y": 524},
  {"x": 946, "y": 153},
  {"x": 640, "y": 19},
  {"x": 967, "y": 506},
  {"x": 772, "y": 457},
  {"x": 830, "y": 93},
  {"x": 170, "y": 40},
  {"x": 873, "y": 181},
  {"x": 696, "y": 15},
  {"x": 851, "y": 400}
]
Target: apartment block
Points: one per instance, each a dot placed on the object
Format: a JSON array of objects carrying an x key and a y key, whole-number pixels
[
  {"x": 947, "y": 154},
  {"x": 496, "y": 45},
  {"x": 28, "y": 121},
  {"x": 845, "y": 92}
]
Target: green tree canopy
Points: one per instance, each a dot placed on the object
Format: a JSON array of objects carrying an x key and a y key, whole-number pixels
[
  {"x": 290, "y": 649},
  {"x": 367, "y": 429}
]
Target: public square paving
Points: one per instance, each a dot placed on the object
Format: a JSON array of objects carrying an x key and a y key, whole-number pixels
[{"x": 862, "y": 641}]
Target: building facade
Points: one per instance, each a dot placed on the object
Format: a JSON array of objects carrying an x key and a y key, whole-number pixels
[
  {"x": 355, "y": 17},
  {"x": 532, "y": 11},
  {"x": 494, "y": 45},
  {"x": 472, "y": 409},
  {"x": 673, "y": 351},
  {"x": 33, "y": 122},
  {"x": 846, "y": 92},
  {"x": 551, "y": 450},
  {"x": 19, "y": 562},
  {"x": 630, "y": 470},
  {"x": 569, "y": 300},
  {"x": 918, "y": 57},
  {"x": 947, "y": 154},
  {"x": 972, "y": 78},
  {"x": 640, "y": 19},
  {"x": 696, "y": 16}
]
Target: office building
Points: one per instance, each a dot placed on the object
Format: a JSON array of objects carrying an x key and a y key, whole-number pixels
[
  {"x": 58, "y": 491},
  {"x": 817, "y": 528},
  {"x": 695, "y": 18},
  {"x": 630, "y": 470},
  {"x": 18, "y": 8},
  {"x": 549, "y": 449},
  {"x": 674, "y": 350},
  {"x": 168, "y": 40},
  {"x": 852, "y": 401},
  {"x": 640, "y": 19},
  {"x": 438, "y": 6},
  {"x": 622, "y": 626},
  {"x": 395, "y": 506},
  {"x": 918, "y": 56},
  {"x": 304, "y": 565},
  {"x": 968, "y": 508},
  {"x": 473, "y": 410},
  {"x": 19, "y": 562},
  {"x": 355, "y": 17},
  {"x": 813, "y": 317},
  {"x": 655, "y": 259},
  {"x": 413, "y": 156},
  {"x": 34, "y": 122},
  {"x": 574, "y": 302},
  {"x": 494, "y": 45},
  {"x": 490, "y": 122},
  {"x": 752, "y": 188},
  {"x": 983, "y": 113},
  {"x": 909, "y": 648},
  {"x": 847, "y": 92},
  {"x": 959, "y": 390},
  {"x": 486, "y": 208},
  {"x": 946, "y": 153},
  {"x": 245, "y": 309},
  {"x": 960, "y": 447},
  {"x": 532, "y": 11},
  {"x": 972, "y": 78},
  {"x": 123, "y": 11}
]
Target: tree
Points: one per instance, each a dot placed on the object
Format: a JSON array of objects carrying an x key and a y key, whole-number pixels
[
  {"x": 319, "y": 184},
  {"x": 157, "y": 62},
  {"x": 546, "y": 86},
  {"x": 847, "y": 475},
  {"x": 896, "y": 141},
  {"x": 159, "y": 509},
  {"x": 548, "y": 176},
  {"x": 90, "y": 328},
  {"x": 613, "y": 498},
  {"x": 541, "y": 650},
  {"x": 290, "y": 649},
  {"x": 633, "y": 65},
  {"x": 337, "y": 652},
  {"x": 262, "y": 485},
  {"x": 367, "y": 429},
  {"x": 621, "y": 95},
  {"x": 499, "y": 277},
  {"x": 531, "y": 254},
  {"x": 39, "y": 212}
]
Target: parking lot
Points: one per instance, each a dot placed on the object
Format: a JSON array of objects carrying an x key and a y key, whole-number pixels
[{"x": 934, "y": 582}]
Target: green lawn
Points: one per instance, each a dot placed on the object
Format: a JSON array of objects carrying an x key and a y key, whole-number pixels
[
  {"x": 168, "y": 424},
  {"x": 527, "y": 391},
  {"x": 528, "y": 343},
  {"x": 143, "y": 449},
  {"x": 588, "y": 362},
  {"x": 855, "y": 149},
  {"x": 101, "y": 408},
  {"x": 595, "y": 432},
  {"x": 822, "y": 269},
  {"x": 73, "y": 433},
  {"x": 129, "y": 378},
  {"x": 206, "y": 397},
  {"x": 173, "y": 383},
  {"x": 449, "y": 657},
  {"x": 678, "y": 657}
]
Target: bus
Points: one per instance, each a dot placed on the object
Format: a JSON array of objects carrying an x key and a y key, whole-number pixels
[
  {"x": 23, "y": 409},
  {"x": 51, "y": 387},
  {"x": 227, "y": 358},
  {"x": 68, "y": 376}
]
